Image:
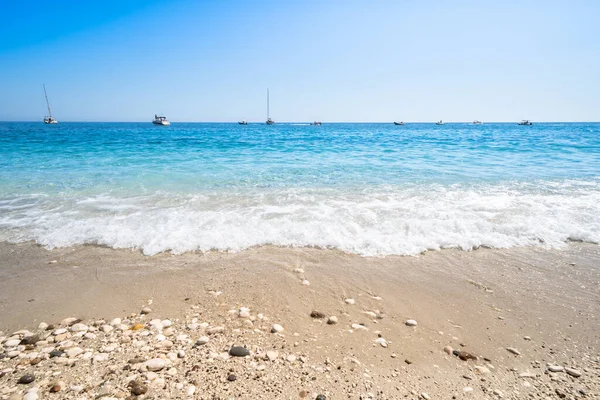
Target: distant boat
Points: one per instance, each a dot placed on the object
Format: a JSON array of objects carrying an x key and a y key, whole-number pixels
[
  {"x": 243, "y": 122},
  {"x": 525, "y": 122},
  {"x": 49, "y": 119},
  {"x": 477, "y": 122},
  {"x": 399, "y": 123},
  {"x": 440, "y": 122},
  {"x": 269, "y": 120},
  {"x": 160, "y": 120},
  {"x": 316, "y": 123}
]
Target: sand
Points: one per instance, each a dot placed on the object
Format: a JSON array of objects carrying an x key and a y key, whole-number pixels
[{"x": 543, "y": 303}]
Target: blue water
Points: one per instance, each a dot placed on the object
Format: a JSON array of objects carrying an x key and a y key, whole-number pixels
[{"x": 371, "y": 189}]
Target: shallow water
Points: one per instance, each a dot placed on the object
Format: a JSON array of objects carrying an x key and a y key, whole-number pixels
[{"x": 371, "y": 189}]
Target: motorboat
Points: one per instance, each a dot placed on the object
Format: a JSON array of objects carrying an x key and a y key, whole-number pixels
[
  {"x": 243, "y": 122},
  {"x": 316, "y": 123},
  {"x": 440, "y": 122},
  {"x": 476, "y": 122},
  {"x": 525, "y": 122},
  {"x": 399, "y": 123},
  {"x": 160, "y": 120},
  {"x": 49, "y": 119}
]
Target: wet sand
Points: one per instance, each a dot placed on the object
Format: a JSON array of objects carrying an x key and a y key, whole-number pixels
[{"x": 482, "y": 302}]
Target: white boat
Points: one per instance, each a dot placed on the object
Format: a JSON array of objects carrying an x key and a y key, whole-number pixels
[
  {"x": 243, "y": 122},
  {"x": 49, "y": 119},
  {"x": 440, "y": 122},
  {"x": 399, "y": 123},
  {"x": 476, "y": 122},
  {"x": 269, "y": 120},
  {"x": 160, "y": 120},
  {"x": 316, "y": 123},
  {"x": 525, "y": 122}
]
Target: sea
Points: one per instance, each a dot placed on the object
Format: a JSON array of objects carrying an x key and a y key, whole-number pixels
[{"x": 367, "y": 189}]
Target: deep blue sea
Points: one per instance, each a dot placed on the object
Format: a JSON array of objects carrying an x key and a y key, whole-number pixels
[{"x": 370, "y": 189}]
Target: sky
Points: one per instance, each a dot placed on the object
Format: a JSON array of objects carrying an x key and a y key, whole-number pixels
[{"x": 328, "y": 60}]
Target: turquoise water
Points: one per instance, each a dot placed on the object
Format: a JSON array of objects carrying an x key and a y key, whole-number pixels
[{"x": 371, "y": 189}]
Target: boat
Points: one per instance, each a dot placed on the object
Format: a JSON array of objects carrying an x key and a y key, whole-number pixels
[
  {"x": 525, "y": 122},
  {"x": 269, "y": 120},
  {"x": 399, "y": 123},
  {"x": 243, "y": 122},
  {"x": 160, "y": 120},
  {"x": 440, "y": 122},
  {"x": 49, "y": 119},
  {"x": 476, "y": 122},
  {"x": 316, "y": 123}
]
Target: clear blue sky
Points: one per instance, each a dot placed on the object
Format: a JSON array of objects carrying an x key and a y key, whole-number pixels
[{"x": 345, "y": 60}]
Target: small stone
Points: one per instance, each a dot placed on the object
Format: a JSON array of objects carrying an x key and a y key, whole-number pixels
[
  {"x": 272, "y": 355},
  {"x": 291, "y": 358},
  {"x": 191, "y": 390},
  {"x": 56, "y": 353},
  {"x": 321, "y": 397},
  {"x": 155, "y": 364},
  {"x": 332, "y": 320},
  {"x": 527, "y": 338},
  {"x": 425, "y": 396},
  {"x": 556, "y": 368},
  {"x": 463, "y": 355},
  {"x": 57, "y": 387},
  {"x": 79, "y": 327},
  {"x": 74, "y": 352},
  {"x": 498, "y": 393},
  {"x": 448, "y": 349},
  {"x": 305, "y": 282},
  {"x": 166, "y": 323},
  {"x": 214, "y": 330},
  {"x": 137, "y": 388},
  {"x": 26, "y": 379},
  {"x": 573, "y": 372},
  {"x": 231, "y": 377},
  {"x": 31, "y": 396},
  {"x": 28, "y": 340},
  {"x": 481, "y": 370},
  {"x": 239, "y": 351},
  {"x": 349, "y": 301},
  {"x": 382, "y": 342},
  {"x": 408, "y": 361},
  {"x": 43, "y": 326},
  {"x": 467, "y": 389},
  {"x": 12, "y": 343},
  {"x": 277, "y": 328},
  {"x": 513, "y": 351},
  {"x": 146, "y": 310},
  {"x": 202, "y": 340},
  {"x": 358, "y": 327},
  {"x": 115, "y": 322},
  {"x": 317, "y": 314},
  {"x": 411, "y": 322}
]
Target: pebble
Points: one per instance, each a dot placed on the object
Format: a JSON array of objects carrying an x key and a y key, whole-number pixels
[
  {"x": 115, "y": 322},
  {"x": 239, "y": 351},
  {"x": 349, "y": 301},
  {"x": 202, "y": 340},
  {"x": 556, "y": 368},
  {"x": 332, "y": 320},
  {"x": 146, "y": 310},
  {"x": 481, "y": 370},
  {"x": 305, "y": 282},
  {"x": 573, "y": 372},
  {"x": 12, "y": 343},
  {"x": 155, "y": 364},
  {"x": 317, "y": 314},
  {"x": 74, "y": 352},
  {"x": 272, "y": 355},
  {"x": 191, "y": 390},
  {"x": 382, "y": 342},
  {"x": 277, "y": 328},
  {"x": 411, "y": 322},
  {"x": 425, "y": 396},
  {"x": 231, "y": 377},
  {"x": 291, "y": 358},
  {"x": 79, "y": 327},
  {"x": 359, "y": 327},
  {"x": 448, "y": 349},
  {"x": 31, "y": 396},
  {"x": 463, "y": 355},
  {"x": 26, "y": 379},
  {"x": 498, "y": 393},
  {"x": 467, "y": 389},
  {"x": 321, "y": 397},
  {"x": 513, "y": 351},
  {"x": 214, "y": 330},
  {"x": 137, "y": 388}
]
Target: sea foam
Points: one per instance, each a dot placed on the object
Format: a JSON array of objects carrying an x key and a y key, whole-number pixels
[{"x": 401, "y": 220}]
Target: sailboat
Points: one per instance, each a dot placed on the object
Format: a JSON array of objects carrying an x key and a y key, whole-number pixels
[
  {"x": 269, "y": 120},
  {"x": 49, "y": 119}
]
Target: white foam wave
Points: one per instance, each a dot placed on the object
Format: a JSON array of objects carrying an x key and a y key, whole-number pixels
[{"x": 399, "y": 220}]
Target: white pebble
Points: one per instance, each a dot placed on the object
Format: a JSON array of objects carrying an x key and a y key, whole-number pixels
[
  {"x": 155, "y": 364},
  {"x": 411, "y": 322},
  {"x": 349, "y": 301},
  {"x": 276, "y": 328}
]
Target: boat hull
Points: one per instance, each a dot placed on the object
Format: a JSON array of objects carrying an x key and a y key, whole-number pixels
[{"x": 163, "y": 123}]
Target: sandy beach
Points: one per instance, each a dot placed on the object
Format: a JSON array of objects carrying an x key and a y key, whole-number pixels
[{"x": 528, "y": 316}]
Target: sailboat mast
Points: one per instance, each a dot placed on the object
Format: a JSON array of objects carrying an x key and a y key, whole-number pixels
[
  {"x": 268, "y": 115},
  {"x": 47, "y": 102}
]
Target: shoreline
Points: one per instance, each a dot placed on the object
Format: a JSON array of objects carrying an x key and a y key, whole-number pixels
[{"x": 482, "y": 301}]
